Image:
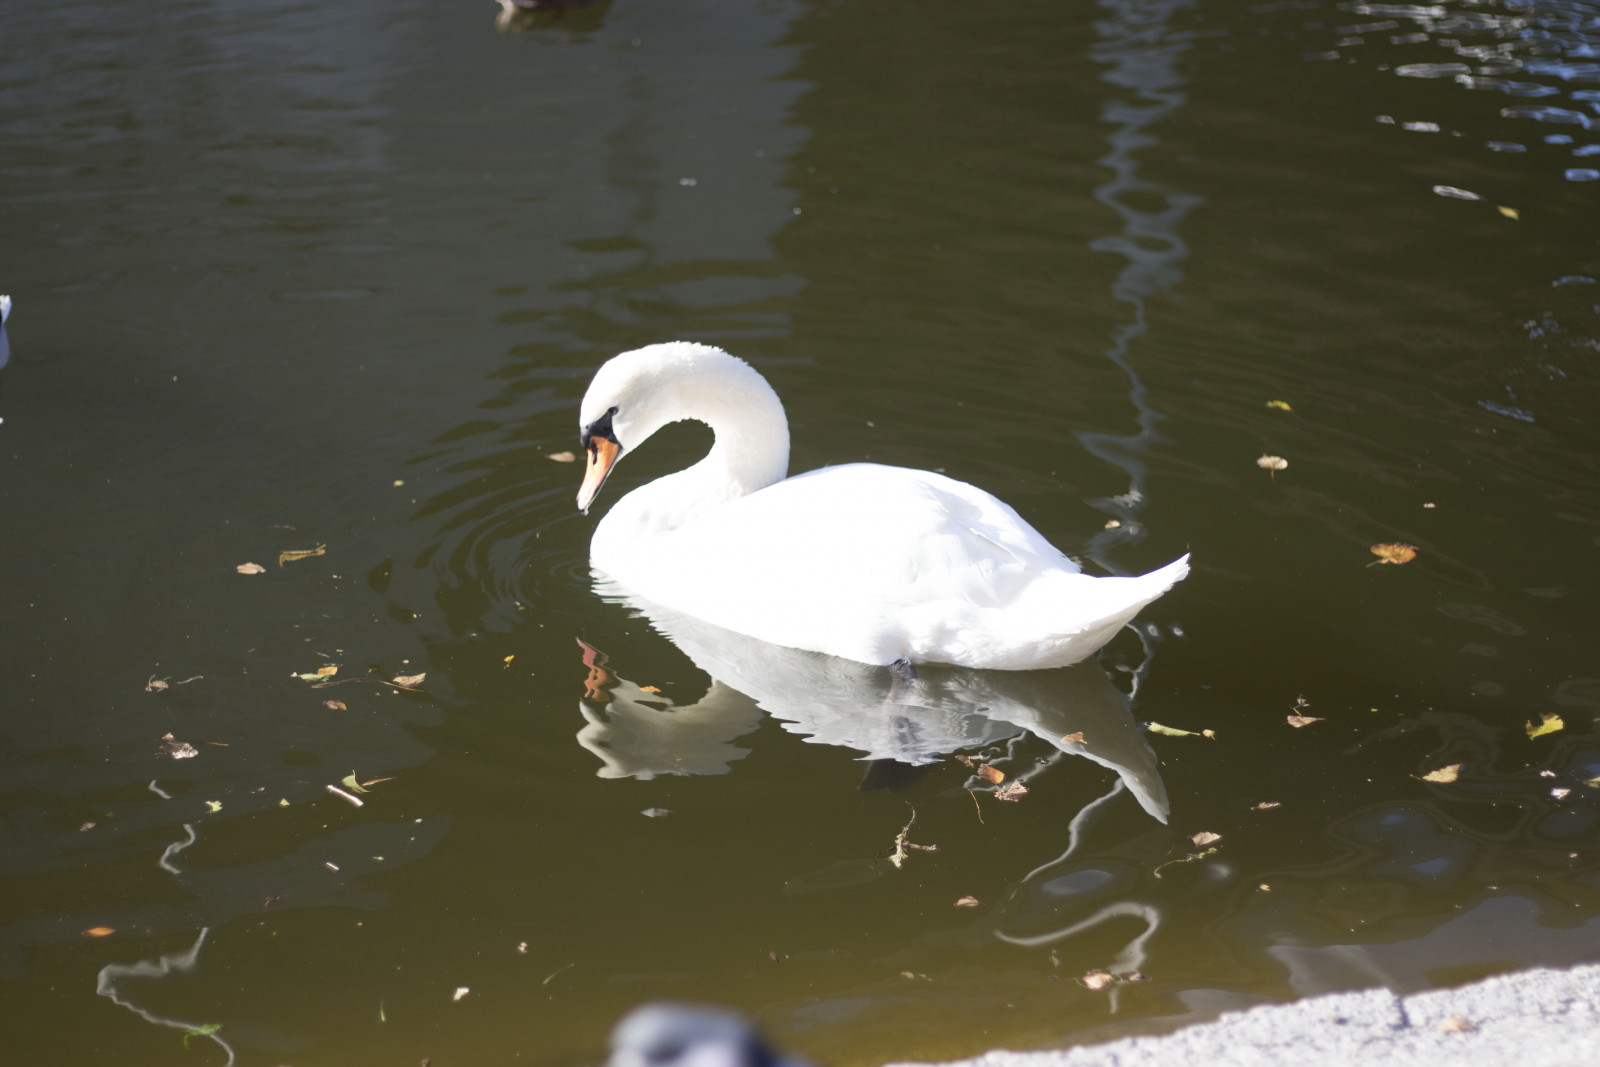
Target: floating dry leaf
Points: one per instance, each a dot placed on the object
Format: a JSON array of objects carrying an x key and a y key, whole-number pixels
[
  {"x": 1457, "y": 1024},
  {"x": 1097, "y": 980},
  {"x": 301, "y": 553},
  {"x": 335, "y": 705},
  {"x": 250, "y": 568},
  {"x": 967, "y": 902},
  {"x": 1508, "y": 212},
  {"x": 1204, "y": 837},
  {"x": 1559, "y": 792},
  {"x": 177, "y": 749},
  {"x": 1298, "y": 721},
  {"x": 100, "y": 931},
  {"x": 1136, "y": 976},
  {"x": 1549, "y": 723},
  {"x": 350, "y": 783},
  {"x": 649, "y": 689},
  {"x": 1266, "y": 805},
  {"x": 156, "y": 685},
  {"x": 1393, "y": 552},
  {"x": 460, "y": 992},
  {"x": 1281, "y": 405},
  {"x": 409, "y": 681},
  {"x": 1014, "y": 791},
  {"x": 1272, "y": 463},
  {"x": 213, "y": 805},
  {"x": 328, "y": 671},
  {"x": 992, "y": 775},
  {"x": 1444, "y": 775},
  {"x": 1074, "y": 738},
  {"x": 563, "y": 457}
]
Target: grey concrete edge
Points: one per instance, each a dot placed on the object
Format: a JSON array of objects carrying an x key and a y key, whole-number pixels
[{"x": 1537, "y": 1018}]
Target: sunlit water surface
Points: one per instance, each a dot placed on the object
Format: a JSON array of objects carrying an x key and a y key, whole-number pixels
[{"x": 291, "y": 277}]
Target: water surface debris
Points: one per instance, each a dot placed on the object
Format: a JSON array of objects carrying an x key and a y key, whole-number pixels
[
  {"x": 250, "y": 568},
  {"x": 1443, "y": 775},
  {"x": 1273, "y": 464},
  {"x": 292, "y": 554},
  {"x": 1549, "y": 723},
  {"x": 1393, "y": 552},
  {"x": 903, "y": 846},
  {"x": 1173, "y": 731},
  {"x": 354, "y": 800}
]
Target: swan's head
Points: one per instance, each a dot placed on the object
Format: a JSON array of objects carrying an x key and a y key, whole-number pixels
[{"x": 636, "y": 393}]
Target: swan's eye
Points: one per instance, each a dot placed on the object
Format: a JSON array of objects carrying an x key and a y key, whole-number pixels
[{"x": 601, "y": 428}]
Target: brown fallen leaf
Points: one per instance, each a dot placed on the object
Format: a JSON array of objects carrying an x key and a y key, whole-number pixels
[
  {"x": 1074, "y": 738},
  {"x": 649, "y": 689},
  {"x": 1204, "y": 837},
  {"x": 967, "y": 902},
  {"x": 1266, "y": 805},
  {"x": 1457, "y": 1024},
  {"x": 328, "y": 670},
  {"x": 409, "y": 681},
  {"x": 100, "y": 931},
  {"x": 1393, "y": 552},
  {"x": 992, "y": 775},
  {"x": 1013, "y": 792},
  {"x": 301, "y": 553},
  {"x": 250, "y": 568},
  {"x": 1444, "y": 775},
  {"x": 1298, "y": 721},
  {"x": 1549, "y": 723},
  {"x": 155, "y": 685},
  {"x": 563, "y": 457},
  {"x": 335, "y": 705},
  {"x": 1096, "y": 980}
]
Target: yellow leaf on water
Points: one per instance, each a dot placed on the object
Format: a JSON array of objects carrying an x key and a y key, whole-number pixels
[
  {"x": 1549, "y": 724},
  {"x": 409, "y": 681},
  {"x": 100, "y": 931},
  {"x": 326, "y": 671},
  {"x": 1509, "y": 212},
  {"x": 1280, "y": 405},
  {"x": 1443, "y": 775},
  {"x": 335, "y": 705},
  {"x": 301, "y": 553},
  {"x": 1393, "y": 552},
  {"x": 649, "y": 689},
  {"x": 1074, "y": 738}
]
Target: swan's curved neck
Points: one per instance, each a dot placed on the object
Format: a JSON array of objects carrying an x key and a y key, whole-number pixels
[{"x": 750, "y": 451}]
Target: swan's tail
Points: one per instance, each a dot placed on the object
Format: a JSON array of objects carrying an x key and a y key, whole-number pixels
[{"x": 1096, "y": 608}]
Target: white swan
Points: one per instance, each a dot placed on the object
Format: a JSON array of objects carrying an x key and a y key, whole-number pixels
[{"x": 872, "y": 563}]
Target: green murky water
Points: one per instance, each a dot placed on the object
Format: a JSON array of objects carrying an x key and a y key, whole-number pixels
[{"x": 291, "y": 276}]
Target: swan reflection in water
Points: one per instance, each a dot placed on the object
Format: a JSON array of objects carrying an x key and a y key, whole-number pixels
[{"x": 639, "y": 733}]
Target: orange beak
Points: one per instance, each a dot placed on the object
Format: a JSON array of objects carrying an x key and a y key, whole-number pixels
[{"x": 603, "y": 455}]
